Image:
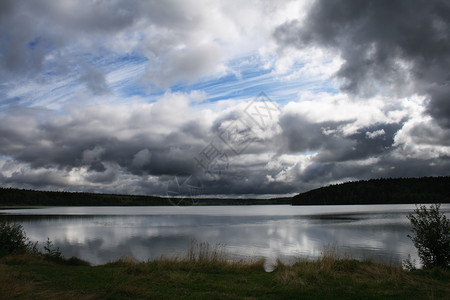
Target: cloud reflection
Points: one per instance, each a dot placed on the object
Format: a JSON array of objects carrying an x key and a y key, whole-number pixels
[{"x": 283, "y": 232}]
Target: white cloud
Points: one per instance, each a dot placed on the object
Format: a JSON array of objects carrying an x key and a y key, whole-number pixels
[{"x": 375, "y": 133}]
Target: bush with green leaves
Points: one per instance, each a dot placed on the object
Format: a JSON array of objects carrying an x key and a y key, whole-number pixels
[
  {"x": 13, "y": 239},
  {"x": 431, "y": 237}
]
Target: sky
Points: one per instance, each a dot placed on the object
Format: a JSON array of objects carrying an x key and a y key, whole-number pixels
[{"x": 221, "y": 98}]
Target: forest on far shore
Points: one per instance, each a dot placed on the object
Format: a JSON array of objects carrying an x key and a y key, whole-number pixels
[
  {"x": 374, "y": 191},
  {"x": 19, "y": 197},
  {"x": 380, "y": 191}
]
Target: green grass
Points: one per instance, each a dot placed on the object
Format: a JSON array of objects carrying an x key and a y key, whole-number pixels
[{"x": 205, "y": 273}]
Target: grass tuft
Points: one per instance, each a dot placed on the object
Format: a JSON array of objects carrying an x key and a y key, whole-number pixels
[{"x": 204, "y": 253}]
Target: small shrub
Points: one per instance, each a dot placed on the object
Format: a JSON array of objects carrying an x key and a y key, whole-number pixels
[
  {"x": 431, "y": 230},
  {"x": 52, "y": 253},
  {"x": 13, "y": 239},
  {"x": 409, "y": 264}
]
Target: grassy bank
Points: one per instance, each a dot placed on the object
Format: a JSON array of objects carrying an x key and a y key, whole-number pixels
[{"x": 205, "y": 274}]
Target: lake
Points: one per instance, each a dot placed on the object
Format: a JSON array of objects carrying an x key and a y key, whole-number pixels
[{"x": 103, "y": 234}]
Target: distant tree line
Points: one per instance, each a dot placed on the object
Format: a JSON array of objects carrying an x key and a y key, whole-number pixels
[
  {"x": 380, "y": 191},
  {"x": 20, "y": 197}
]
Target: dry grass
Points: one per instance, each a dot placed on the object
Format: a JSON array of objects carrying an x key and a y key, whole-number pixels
[
  {"x": 339, "y": 268},
  {"x": 202, "y": 253},
  {"x": 205, "y": 272}
]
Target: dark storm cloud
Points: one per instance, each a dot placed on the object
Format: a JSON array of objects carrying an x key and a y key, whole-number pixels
[
  {"x": 45, "y": 148},
  {"x": 395, "y": 47},
  {"x": 5, "y": 6},
  {"x": 370, "y": 152},
  {"x": 318, "y": 172},
  {"x": 429, "y": 134},
  {"x": 302, "y": 135},
  {"x": 440, "y": 103},
  {"x": 387, "y": 166},
  {"x": 377, "y": 139},
  {"x": 42, "y": 142},
  {"x": 327, "y": 138},
  {"x": 250, "y": 183}
]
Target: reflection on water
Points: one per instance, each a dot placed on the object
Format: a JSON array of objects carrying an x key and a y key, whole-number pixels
[{"x": 102, "y": 234}]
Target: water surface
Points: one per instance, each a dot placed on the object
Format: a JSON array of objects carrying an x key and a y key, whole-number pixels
[{"x": 103, "y": 234}]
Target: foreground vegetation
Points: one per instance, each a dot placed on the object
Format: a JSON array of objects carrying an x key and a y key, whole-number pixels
[
  {"x": 431, "y": 236},
  {"x": 210, "y": 276}
]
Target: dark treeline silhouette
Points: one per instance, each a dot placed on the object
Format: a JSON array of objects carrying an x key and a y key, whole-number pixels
[
  {"x": 380, "y": 191},
  {"x": 374, "y": 191},
  {"x": 19, "y": 197}
]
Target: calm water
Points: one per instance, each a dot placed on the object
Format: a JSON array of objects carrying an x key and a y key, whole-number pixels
[{"x": 102, "y": 234}]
